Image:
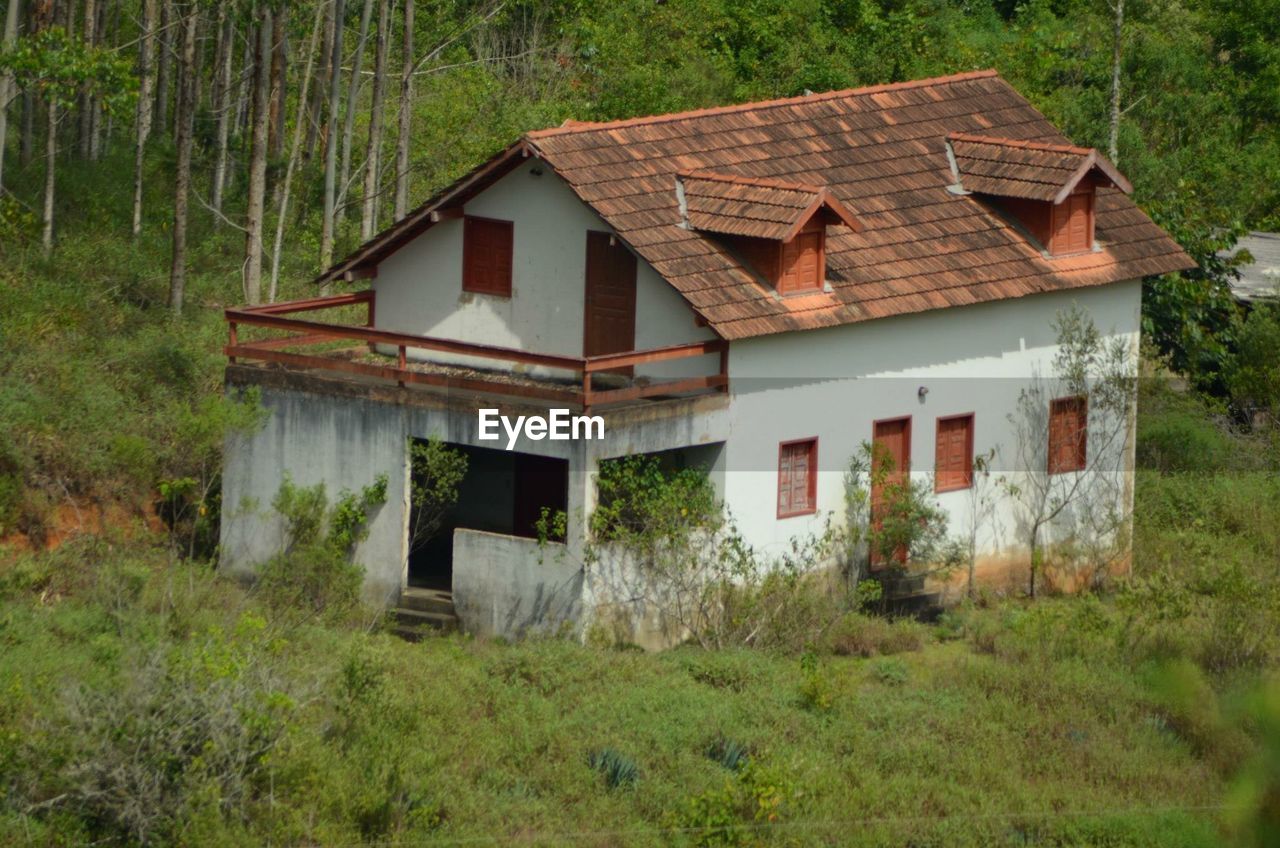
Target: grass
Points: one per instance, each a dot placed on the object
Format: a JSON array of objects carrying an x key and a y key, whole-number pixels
[{"x": 452, "y": 740}]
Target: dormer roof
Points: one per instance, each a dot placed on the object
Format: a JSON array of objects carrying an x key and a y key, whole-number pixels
[
  {"x": 754, "y": 206},
  {"x": 1031, "y": 170}
]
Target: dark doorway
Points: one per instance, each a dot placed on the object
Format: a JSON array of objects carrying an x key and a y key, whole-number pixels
[
  {"x": 502, "y": 492},
  {"x": 609, "y": 321}
]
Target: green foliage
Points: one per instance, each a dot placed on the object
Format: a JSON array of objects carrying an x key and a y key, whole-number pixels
[
  {"x": 619, "y": 770},
  {"x": 314, "y": 572},
  {"x": 757, "y": 796},
  {"x": 436, "y": 472},
  {"x": 906, "y": 520},
  {"x": 62, "y": 68},
  {"x": 732, "y": 755},
  {"x": 1253, "y": 372}
]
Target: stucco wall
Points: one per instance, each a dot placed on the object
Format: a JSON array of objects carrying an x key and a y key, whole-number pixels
[
  {"x": 419, "y": 288},
  {"x": 835, "y": 383},
  {"x": 511, "y": 587}
]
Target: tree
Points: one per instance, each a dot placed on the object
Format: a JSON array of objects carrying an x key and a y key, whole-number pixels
[
  {"x": 146, "y": 81},
  {"x": 258, "y": 158},
  {"x": 331, "y": 140},
  {"x": 60, "y": 68},
  {"x": 6, "y": 80},
  {"x": 437, "y": 471},
  {"x": 1117, "y": 43},
  {"x": 353, "y": 95},
  {"x": 406, "y": 116},
  {"x": 221, "y": 106},
  {"x": 187, "y": 72},
  {"x": 293, "y": 152},
  {"x": 373, "y": 157},
  {"x": 1087, "y": 508}
]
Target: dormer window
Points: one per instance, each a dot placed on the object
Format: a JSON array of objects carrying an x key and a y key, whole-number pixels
[
  {"x": 778, "y": 229},
  {"x": 1047, "y": 190}
]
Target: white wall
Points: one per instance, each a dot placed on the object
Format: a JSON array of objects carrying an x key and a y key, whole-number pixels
[
  {"x": 419, "y": 288},
  {"x": 835, "y": 383}
]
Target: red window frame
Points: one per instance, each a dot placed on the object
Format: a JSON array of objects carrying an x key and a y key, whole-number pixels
[
  {"x": 786, "y": 453},
  {"x": 1068, "y": 434},
  {"x": 952, "y": 479},
  {"x": 487, "y": 253}
]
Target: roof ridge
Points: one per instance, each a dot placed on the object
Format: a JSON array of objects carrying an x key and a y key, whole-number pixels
[
  {"x": 763, "y": 182},
  {"x": 1013, "y": 142},
  {"x": 590, "y": 126}
]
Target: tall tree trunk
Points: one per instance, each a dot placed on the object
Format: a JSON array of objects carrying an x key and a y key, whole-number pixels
[
  {"x": 185, "y": 121},
  {"x": 331, "y": 138},
  {"x": 95, "y": 103},
  {"x": 222, "y": 107},
  {"x": 279, "y": 82},
  {"x": 314, "y": 118},
  {"x": 353, "y": 94},
  {"x": 50, "y": 156},
  {"x": 245, "y": 97},
  {"x": 1117, "y": 25},
  {"x": 294, "y": 148},
  {"x": 368, "y": 213},
  {"x": 406, "y": 116},
  {"x": 258, "y": 159},
  {"x": 6, "y": 81},
  {"x": 146, "y": 81},
  {"x": 86, "y": 100},
  {"x": 164, "y": 65}
]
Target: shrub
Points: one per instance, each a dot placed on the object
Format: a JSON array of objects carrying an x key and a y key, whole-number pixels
[
  {"x": 314, "y": 573},
  {"x": 618, "y": 769},
  {"x": 859, "y": 635},
  {"x": 728, "y": 753},
  {"x": 188, "y": 726},
  {"x": 890, "y": 671}
]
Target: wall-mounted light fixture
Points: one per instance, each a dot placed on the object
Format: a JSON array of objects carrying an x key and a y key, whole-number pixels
[
  {"x": 536, "y": 170},
  {"x": 921, "y": 392}
]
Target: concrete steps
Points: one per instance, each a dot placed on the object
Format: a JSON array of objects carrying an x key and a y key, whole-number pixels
[
  {"x": 906, "y": 595},
  {"x": 423, "y": 612}
]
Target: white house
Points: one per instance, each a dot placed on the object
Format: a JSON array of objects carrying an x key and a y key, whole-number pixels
[{"x": 758, "y": 289}]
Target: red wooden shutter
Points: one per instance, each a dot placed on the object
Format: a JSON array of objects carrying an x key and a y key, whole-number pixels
[
  {"x": 797, "y": 478},
  {"x": 802, "y": 260},
  {"x": 954, "y": 453},
  {"x": 1073, "y": 224},
  {"x": 486, "y": 256},
  {"x": 1068, "y": 434}
]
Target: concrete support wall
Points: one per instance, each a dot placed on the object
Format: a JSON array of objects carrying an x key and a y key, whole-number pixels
[{"x": 511, "y": 587}]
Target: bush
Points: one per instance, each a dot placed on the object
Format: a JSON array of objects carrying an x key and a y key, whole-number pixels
[
  {"x": 188, "y": 726},
  {"x": 314, "y": 573},
  {"x": 619, "y": 770},
  {"x": 859, "y": 635}
]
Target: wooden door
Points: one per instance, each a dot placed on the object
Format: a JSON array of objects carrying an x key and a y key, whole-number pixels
[
  {"x": 609, "y": 321},
  {"x": 891, "y": 453}
]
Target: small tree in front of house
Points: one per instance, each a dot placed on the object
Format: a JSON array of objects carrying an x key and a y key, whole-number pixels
[
  {"x": 904, "y": 523},
  {"x": 436, "y": 471},
  {"x": 1078, "y": 479}
]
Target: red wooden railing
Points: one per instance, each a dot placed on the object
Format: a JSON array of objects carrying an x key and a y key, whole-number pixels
[{"x": 583, "y": 394}]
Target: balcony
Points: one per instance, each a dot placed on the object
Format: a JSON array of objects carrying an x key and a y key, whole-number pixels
[{"x": 270, "y": 334}]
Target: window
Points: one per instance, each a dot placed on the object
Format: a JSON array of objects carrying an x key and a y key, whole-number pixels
[
  {"x": 802, "y": 262},
  {"x": 1073, "y": 223},
  {"x": 797, "y": 478},
  {"x": 1068, "y": 434},
  {"x": 953, "y": 457},
  {"x": 486, "y": 256}
]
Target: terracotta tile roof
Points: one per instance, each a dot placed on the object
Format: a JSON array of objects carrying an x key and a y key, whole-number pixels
[
  {"x": 880, "y": 151},
  {"x": 986, "y": 165},
  {"x": 761, "y": 208}
]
